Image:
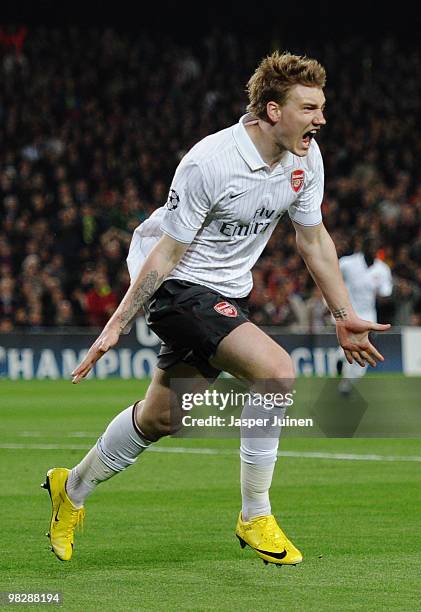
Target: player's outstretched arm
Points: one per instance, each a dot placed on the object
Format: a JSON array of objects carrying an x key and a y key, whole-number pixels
[
  {"x": 318, "y": 251},
  {"x": 161, "y": 260}
]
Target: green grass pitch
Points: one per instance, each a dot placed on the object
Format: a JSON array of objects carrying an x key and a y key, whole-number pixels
[{"x": 160, "y": 535}]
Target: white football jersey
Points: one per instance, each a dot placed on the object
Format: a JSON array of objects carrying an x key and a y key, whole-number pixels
[
  {"x": 364, "y": 283},
  {"x": 225, "y": 202}
]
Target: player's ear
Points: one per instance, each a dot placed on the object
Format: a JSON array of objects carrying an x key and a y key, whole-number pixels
[{"x": 273, "y": 111}]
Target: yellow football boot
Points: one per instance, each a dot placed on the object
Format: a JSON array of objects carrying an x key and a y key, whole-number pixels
[
  {"x": 267, "y": 539},
  {"x": 64, "y": 516}
]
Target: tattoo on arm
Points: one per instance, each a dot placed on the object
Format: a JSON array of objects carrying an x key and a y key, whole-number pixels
[
  {"x": 340, "y": 314},
  {"x": 146, "y": 289}
]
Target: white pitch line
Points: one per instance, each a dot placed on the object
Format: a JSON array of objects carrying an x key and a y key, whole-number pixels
[
  {"x": 348, "y": 456},
  {"x": 70, "y": 434},
  {"x": 215, "y": 451},
  {"x": 13, "y": 446}
]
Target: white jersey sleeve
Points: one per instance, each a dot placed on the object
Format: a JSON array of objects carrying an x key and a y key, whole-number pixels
[
  {"x": 306, "y": 210},
  {"x": 188, "y": 203},
  {"x": 385, "y": 286}
]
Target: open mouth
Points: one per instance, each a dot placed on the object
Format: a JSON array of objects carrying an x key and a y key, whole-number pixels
[{"x": 308, "y": 137}]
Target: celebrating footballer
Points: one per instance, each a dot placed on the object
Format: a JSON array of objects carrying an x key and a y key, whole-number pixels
[{"x": 190, "y": 265}]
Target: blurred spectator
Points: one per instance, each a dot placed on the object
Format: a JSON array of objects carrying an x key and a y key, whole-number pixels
[
  {"x": 101, "y": 301},
  {"x": 286, "y": 308},
  {"x": 6, "y": 325},
  {"x": 406, "y": 298},
  {"x": 8, "y": 301},
  {"x": 319, "y": 317},
  {"x": 64, "y": 316}
]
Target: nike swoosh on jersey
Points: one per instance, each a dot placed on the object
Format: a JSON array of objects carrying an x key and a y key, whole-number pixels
[{"x": 232, "y": 196}]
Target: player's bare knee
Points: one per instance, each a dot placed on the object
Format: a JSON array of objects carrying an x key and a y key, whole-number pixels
[
  {"x": 288, "y": 376},
  {"x": 279, "y": 376},
  {"x": 150, "y": 421},
  {"x": 152, "y": 427},
  {"x": 155, "y": 425},
  {"x": 168, "y": 423}
]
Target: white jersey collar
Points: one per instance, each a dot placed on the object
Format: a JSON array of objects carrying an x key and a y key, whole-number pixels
[
  {"x": 245, "y": 144},
  {"x": 248, "y": 151}
]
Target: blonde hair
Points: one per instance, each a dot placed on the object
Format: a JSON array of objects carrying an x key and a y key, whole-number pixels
[{"x": 276, "y": 74}]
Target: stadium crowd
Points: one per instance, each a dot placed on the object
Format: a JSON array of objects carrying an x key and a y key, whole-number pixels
[{"x": 93, "y": 123}]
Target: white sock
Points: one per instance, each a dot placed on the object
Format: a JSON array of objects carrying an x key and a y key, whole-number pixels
[
  {"x": 255, "y": 485},
  {"x": 258, "y": 452},
  {"x": 85, "y": 476},
  {"x": 353, "y": 371},
  {"x": 118, "y": 448}
]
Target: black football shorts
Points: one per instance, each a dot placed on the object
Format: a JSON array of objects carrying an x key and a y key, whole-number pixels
[{"x": 191, "y": 321}]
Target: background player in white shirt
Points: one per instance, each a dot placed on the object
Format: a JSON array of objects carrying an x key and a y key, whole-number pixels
[
  {"x": 190, "y": 266},
  {"x": 367, "y": 278}
]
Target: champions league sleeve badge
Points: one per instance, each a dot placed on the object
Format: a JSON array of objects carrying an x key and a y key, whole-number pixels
[{"x": 173, "y": 200}]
